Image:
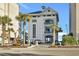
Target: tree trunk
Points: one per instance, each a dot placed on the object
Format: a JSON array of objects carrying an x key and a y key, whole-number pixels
[
  {"x": 9, "y": 38},
  {"x": 24, "y": 26},
  {"x": 53, "y": 43},
  {"x": 19, "y": 36},
  {"x": 19, "y": 30},
  {"x": 15, "y": 36},
  {"x": 29, "y": 41},
  {"x": 3, "y": 32}
]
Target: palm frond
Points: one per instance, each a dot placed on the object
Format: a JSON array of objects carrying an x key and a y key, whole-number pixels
[
  {"x": 10, "y": 29},
  {"x": 0, "y": 19},
  {"x": 6, "y": 19}
]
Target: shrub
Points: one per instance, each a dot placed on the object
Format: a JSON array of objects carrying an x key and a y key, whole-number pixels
[
  {"x": 69, "y": 40},
  {"x": 78, "y": 41}
]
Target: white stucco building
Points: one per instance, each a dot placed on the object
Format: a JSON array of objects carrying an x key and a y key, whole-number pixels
[
  {"x": 11, "y": 10},
  {"x": 38, "y": 27}
]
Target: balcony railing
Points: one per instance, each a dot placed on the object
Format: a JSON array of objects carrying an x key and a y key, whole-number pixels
[
  {"x": 47, "y": 32},
  {"x": 48, "y": 23}
]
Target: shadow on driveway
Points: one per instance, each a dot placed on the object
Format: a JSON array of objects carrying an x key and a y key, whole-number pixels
[{"x": 20, "y": 54}]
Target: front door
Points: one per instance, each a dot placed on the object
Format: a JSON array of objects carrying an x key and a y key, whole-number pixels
[{"x": 48, "y": 39}]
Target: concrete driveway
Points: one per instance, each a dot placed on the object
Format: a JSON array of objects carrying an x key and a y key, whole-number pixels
[{"x": 39, "y": 50}]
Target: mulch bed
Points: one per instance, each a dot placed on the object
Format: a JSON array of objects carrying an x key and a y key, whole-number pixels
[
  {"x": 63, "y": 46},
  {"x": 13, "y": 46}
]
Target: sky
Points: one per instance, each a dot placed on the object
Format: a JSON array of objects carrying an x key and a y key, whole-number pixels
[{"x": 61, "y": 8}]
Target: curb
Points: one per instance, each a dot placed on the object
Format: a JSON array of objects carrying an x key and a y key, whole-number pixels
[{"x": 32, "y": 46}]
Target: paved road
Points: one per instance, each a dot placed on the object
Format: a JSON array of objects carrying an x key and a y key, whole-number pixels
[{"x": 40, "y": 50}]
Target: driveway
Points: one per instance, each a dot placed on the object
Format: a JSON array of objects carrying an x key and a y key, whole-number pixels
[{"x": 40, "y": 50}]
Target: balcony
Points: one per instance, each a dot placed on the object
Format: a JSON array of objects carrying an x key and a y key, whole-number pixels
[
  {"x": 49, "y": 21},
  {"x": 48, "y": 29},
  {"x": 47, "y": 33}
]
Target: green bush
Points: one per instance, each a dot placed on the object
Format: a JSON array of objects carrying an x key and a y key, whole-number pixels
[
  {"x": 78, "y": 41},
  {"x": 69, "y": 40}
]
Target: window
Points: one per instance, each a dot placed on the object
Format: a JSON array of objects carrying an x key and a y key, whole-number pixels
[
  {"x": 53, "y": 14},
  {"x": 44, "y": 15},
  {"x": 34, "y": 30},
  {"x": 49, "y": 21},
  {"x": 34, "y": 20},
  {"x": 34, "y": 16},
  {"x": 48, "y": 30},
  {"x": 48, "y": 10},
  {"x": 48, "y": 15},
  {"x": 38, "y": 16}
]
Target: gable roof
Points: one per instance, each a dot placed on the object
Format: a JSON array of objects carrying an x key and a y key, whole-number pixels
[{"x": 36, "y": 12}]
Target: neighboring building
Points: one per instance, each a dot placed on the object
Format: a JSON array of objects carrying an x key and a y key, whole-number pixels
[
  {"x": 74, "y": 19},
  {"x": 11, "y": 10},
  {"x": 60, "y": 35},
  {"x": 38, "y": 27}
]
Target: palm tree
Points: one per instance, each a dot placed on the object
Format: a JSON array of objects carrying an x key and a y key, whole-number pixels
[
  {"x": 24, "y": 28},
  {"x": 14, "y": 38},
  {"x": 28, "y": 20},
  {"x": 19, "y": 18},
  {"x": 4, "y": 20},
  {"x": 55, "y": 29},
  {"x": 10, "y": 30},
  {"x": 24, "y": 18}
]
